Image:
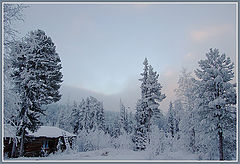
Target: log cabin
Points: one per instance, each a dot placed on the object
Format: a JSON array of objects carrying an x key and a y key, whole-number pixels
[{"x": 46, "y": 140}]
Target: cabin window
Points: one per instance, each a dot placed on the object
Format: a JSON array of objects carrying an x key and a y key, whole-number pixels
[{"x": 45, "y": 144}]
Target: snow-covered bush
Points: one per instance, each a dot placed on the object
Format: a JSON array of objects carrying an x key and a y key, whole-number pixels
[
  {"x": 162, "y": 143},
  {"x": 157, "y": 143},
  {"x": 123, "y": 141},
  {"x": 93, "y": 140}
]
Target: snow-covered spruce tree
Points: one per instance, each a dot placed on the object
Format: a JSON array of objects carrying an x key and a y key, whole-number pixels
[
  {"x": 131, "y": 123},
  {"x": 185, "y": 89},
  {"x": 158, "y": 142},
  {"x": 88, "y": 116},
  {"x": 93, "y": 105},
  {"x": 216, "y": 99},
  {"x": 52, "y": 113},
  {"x": 75, "y": 118},
  {"x": 87, "y": 122},
  {"x": 150, "y": 97},
  {"x": 64, "y": 117},
  {"x": 116, "y": 130},
  {"x": 188, "y": 123},
  {"x": 178, "y": 116},
  {"x": 171, "y": 121},
  {"x": 37, "y": 76},
  {"x": 82, "y": 110},
  {"x": 92, "y": 114},
  {"x": 98, "y": 114},
  {"x": 126, "y": 118},
  {"x": 100, "y": 117},
  {"x": 153, "y": 95},
  {"x": 123, "y": 117},
  {"x": 140, "y": 131}
]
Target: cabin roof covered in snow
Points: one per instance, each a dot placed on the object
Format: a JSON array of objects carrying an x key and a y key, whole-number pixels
[
  {"x": 43, "y": 131},
  {"x": 51, "y": 132}
]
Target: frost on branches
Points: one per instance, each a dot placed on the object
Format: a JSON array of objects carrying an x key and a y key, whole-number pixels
[
  {"x": 216, "y": 100},
  {"x": 11, "y": 13},
  {"x": 174, "y": 118},
  {"x": 147, "y": 106},
  {"x": 171, "y": 120},
  {"x": 88, "y": 116},
  {"x": 36, "y": 74},
  {"x": 125, "y": 119},
  {"x": 186, "y": 95}
]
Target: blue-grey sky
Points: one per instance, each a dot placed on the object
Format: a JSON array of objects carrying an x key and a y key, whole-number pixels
[{"x": 102, "y": 46}]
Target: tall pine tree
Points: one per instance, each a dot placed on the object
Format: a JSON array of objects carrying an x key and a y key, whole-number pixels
[
  {"x": 37, "y": 76},
  {"x": 147, "y": 107},
  {"x": 216, "y": 99}
]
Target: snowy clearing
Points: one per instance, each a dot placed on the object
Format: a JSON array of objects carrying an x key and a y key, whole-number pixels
[{"x": 114, "y": 154}]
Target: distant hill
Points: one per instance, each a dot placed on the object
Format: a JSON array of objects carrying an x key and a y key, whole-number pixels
[{"x": 110, "y": 102}]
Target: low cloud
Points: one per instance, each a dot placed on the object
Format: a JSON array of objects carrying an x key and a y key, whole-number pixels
[
  {"x": 168, "y": 73},
  {"x": 189, "y": 55},
  {"x": 168, "y": 80},
  {"x": 203, "y": 34}
]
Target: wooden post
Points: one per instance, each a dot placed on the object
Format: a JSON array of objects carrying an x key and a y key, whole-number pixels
[
  {"x": 22, "y": 143},
  {"x": 13, "y": 148}
]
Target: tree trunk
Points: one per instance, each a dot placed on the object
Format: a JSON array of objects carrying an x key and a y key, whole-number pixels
[
  {"x": 220, "y": 145},
  {"x": 22, "y": 144},
  {"x": 193, "y": 141},
  {"x": 13, "y": 148}
]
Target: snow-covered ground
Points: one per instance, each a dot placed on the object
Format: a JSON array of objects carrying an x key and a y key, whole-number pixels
[{"x": 114, "y": 154}]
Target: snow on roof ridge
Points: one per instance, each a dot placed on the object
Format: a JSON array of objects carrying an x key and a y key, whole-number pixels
[
  {"x": 43, "y": 131},
  {"x": 50, "y": 131}
]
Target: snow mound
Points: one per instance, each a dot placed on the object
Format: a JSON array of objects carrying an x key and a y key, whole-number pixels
[{"x": 113, "y": 154}]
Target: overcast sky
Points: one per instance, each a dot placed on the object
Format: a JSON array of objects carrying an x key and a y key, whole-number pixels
[{"x": 102, "y": 47}]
